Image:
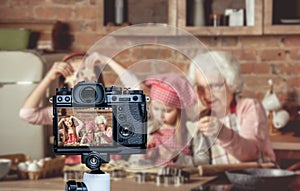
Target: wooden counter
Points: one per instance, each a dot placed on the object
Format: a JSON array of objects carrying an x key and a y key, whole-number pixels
[
  {"x": 286, "y": 141},
  {"x": 286, "y": 146},
  {"x": 126, "y": 184}
]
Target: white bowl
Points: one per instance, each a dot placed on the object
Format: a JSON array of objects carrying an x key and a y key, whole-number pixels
[{"x": 5, "y": 165}]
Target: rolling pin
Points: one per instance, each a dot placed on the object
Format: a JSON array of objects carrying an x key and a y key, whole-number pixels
[{"x": 212, "y": 170}]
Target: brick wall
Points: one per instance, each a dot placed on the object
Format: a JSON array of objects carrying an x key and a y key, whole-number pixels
[{"x": 261, "y": 57}]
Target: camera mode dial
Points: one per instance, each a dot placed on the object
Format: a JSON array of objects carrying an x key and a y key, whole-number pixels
[
  {"x": 132, "y": 92},
  {"x": 63, "y": 91},
  {"x": 113, "y": 90}
]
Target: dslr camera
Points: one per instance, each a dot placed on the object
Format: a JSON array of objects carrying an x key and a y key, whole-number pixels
[{"x": 96, "y": 121}]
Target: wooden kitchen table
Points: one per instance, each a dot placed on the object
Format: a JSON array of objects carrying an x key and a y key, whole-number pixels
[{"x": 125, "y": 184}]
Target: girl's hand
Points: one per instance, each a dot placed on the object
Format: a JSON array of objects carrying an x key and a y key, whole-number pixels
[
  {"x": 210, "y": 126},
  {"x": 151, "y": 150},
  {"x": 151, "y": 145},
  {"x": 167, "y": 153},
  {"x": 58, "y": 69}
]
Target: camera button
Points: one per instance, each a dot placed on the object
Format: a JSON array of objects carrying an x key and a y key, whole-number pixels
[
  {"x": 114, "y": 98},
  {"x": 120, "y": 108},
  {"x": 126, "y": 92},
  {"x": 67, "y": 99},
  {"x": 122, "y": 117},
  {"x": 135, "y": 98},
  {"x": 59, "y": 99}
]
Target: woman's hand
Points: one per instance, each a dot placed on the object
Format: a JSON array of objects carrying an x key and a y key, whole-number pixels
[
  {"x": 210, "y": 126},
  {"x": 37, "y": 95},
  {"x": 58, "y": 69},
  {"x": 96, "y": 59}
]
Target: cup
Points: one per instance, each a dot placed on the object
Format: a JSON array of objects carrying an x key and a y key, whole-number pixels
[
  {"x": 271, "y": 102},
  {"x": 215, "y": 20},
  {"x": 280, "y": 118}
]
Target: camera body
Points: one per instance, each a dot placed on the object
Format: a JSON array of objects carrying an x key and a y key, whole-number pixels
[{"x": 122, "y": 113}]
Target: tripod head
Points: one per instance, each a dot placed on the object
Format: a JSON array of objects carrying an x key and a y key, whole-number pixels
[
  {"x": 94, "y": 160},
  {"x": 96, "y": 178}
]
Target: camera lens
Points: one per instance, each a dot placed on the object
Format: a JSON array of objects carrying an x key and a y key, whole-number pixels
[
  {"x": 75, "y": 186},
  {"x": 88, "y": 94},
  {"x": 125, "y": 130}
]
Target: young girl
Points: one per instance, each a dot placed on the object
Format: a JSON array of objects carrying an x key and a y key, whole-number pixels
[
  {"x": 170, "y": 94},
  {"x": 88, "y": 135},
  {"x": 70, "y": 129}
]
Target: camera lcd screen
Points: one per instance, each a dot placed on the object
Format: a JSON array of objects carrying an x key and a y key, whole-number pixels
[{"x": 78, "y": 127}]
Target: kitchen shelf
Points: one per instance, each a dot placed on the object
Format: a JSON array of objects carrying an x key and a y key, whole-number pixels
[
  {"x": 103, "y": 29},
  {"x": 177, "y": 17},
  {"x": 276, "y": 28},
  {"x": 221, "y": 30}
]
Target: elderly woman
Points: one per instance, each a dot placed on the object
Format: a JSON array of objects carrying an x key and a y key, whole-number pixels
[{"x": 234, "y": 129}]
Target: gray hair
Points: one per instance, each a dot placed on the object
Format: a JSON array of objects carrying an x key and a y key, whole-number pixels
[
  {"x": 100, "y": 119},
  {"x": 223, "y": 62}
]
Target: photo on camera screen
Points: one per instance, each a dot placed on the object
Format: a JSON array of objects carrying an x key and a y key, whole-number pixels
[{"x": 85, "y": 127}]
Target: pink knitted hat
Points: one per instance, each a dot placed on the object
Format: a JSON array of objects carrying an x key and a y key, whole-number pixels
[
  {"x": 89, "y": 125},
  {"x": 172, "y": 90}
]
